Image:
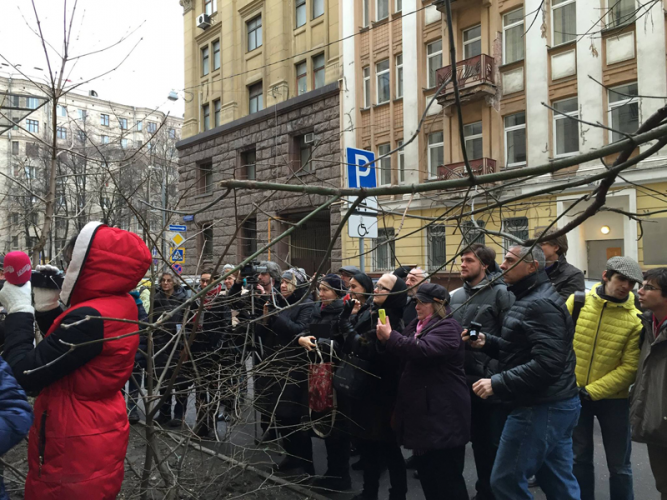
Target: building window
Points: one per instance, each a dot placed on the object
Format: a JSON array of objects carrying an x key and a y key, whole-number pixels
[
  {"x": 399, "y": 76},
  {"x": 301, "y": 78},
  {"x": 473, "y": 234},
  {"x": 206, "y": 114},
  {"x": 15, "y": 147},
  {"x": 623, "y": 111},
  {"x": 436, "y": 153},
  {"x": 515, "y": 139},
  {"x": 208, "y": 7},
  {"x": 123, "y": 143},
  {"x": 172, "y": 133},
  {"x": 399, "y": 6},
  {"x": 216, "y": 55},
  {"x": 304, "y": 152},
  {"x": 104, "y": 120},
  {"x": 123, "y": 123},
  {"x": 61, "y": 110},
  {"x": 516, "y": 226},
  {"x": 300, "y": 12},
  {"x": 381, "y": 9},
  {"x": 248, "y": 238},
  {"x": 384, "y": 174},
  {"x": 365, "y": 12},
  {"x": 14, "y": 218},
  {"x": 382, "y": 81},
  {"x": 513, "y": 47},
  {"x": 81, "y": 135},
  {"x": 401, "y": 163},
  {"x": 33, "y": 126},
  {"x": 249, "y": 164},
  {"x": 254, "y": 27},
  {"x": 621, "y": 12},
  {"x": 104, "y": 139},
  {"x": 472, "y": 42},
  {"x": 82, "y": 114},
  {"x": 205, "y": 178},
  {"x": 255, "y": 100},
  {"x": 140, "y": 126},
  {"x": 61, "y": 133},
  {"x": 15, "y": 242},
  {"x": 437, "y": 247},
  {"x": 32, "y": 103},
  {"x": 217, "y": 107},
  {"x": 204, "y": 61},
  {"x": 318, "y": 8},
  {"x": 319, "y": 71},
  {"x": 14, "y": 101},
  {"x": 472, "y": 134},
  {"x": 367, "y": 87},
  {"x": 566, "y": 130},
  {"x": 384, "y": 255},
  {"x": 564, "y": 21},
  {"x": 151, "y": 127},
  {"x": 433, "y": 61},
  {"x": 206, "y": 241}
]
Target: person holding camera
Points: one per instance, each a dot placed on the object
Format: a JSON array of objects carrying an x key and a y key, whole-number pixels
[
  {"x": 482, "y": 300},
  {"x": 79, "y": 438},
  {"x": 432, "y": 414}
]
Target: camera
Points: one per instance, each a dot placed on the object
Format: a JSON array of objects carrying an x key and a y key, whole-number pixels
[
  {"x": 50, "y": 281},
  {"x": 474, "y": 330},
  {"x": 252, "y": 269}
]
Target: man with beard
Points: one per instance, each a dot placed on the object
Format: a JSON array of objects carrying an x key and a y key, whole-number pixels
[{"x": 415, "y": 278}]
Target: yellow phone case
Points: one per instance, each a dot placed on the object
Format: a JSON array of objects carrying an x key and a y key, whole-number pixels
[{"x": 382, "y": 315}]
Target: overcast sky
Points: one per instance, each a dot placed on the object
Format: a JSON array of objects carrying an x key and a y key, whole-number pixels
[{"x": 152, "y": 69}]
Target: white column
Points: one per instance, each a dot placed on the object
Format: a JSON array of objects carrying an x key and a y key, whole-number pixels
[
  {"x": 651, "y": 65},
  {"x": 411, "y": 90},
  {"x": 349, "y": 117},
  {"x": 630, "y": 245},
  {"x": 537, "y": 90},
  {"x": 591, "y": 106}
]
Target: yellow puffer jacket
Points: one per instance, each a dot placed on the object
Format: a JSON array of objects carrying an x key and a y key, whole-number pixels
[{"x": 606, "y": 342}]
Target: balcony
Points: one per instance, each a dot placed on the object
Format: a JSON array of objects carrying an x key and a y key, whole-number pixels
[
  {"x": 476, "y": 78},
  {"x": 480, "y": 166}
]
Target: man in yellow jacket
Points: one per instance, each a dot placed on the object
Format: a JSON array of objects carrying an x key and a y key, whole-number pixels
[{"x": 606, "y": 342}]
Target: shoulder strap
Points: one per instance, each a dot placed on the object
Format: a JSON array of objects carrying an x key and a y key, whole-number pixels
[{"x": 579, "y": 301}]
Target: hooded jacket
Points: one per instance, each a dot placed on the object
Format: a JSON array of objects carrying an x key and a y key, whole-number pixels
[
  {"x": 78, "y": 441},
  {"x": 648, "y": 398},
  {"x": 606, "y": 342}
]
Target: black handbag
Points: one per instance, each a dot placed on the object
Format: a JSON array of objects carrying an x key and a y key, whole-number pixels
[{"x": 354, "y": 377}]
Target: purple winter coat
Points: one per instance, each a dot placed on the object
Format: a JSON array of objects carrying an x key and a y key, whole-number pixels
[{"x": 433, "y": 407}]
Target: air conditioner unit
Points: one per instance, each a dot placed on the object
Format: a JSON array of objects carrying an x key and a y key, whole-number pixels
[
  {"x": 203, "y": 21},
  {"x": 309, "y": 138}
]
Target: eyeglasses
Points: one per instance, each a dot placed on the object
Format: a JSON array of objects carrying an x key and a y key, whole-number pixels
[
  {"x": 382, "y": 288},
  {"x": 648, "y": 288}
]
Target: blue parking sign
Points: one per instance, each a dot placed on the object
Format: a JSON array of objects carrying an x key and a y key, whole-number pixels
[{"x": 360, "y": 168}]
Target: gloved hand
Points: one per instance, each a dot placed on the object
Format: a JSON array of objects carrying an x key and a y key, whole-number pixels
[
  {"x": 584, "y": 395},
  {"x": 46, "y": 299},
  {"x": 16, "y": 298},
  {"x": 347, "y": 310}
]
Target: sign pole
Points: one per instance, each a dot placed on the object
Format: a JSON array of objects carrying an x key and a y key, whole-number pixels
[{"x": 361, "y": 255}]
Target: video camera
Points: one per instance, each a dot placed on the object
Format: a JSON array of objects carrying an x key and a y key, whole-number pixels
[
  {"x": 44, "y": 280},
  {"x": 252, "y": 269}
]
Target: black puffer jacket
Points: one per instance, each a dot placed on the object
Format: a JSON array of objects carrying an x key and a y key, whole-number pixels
[
  {"x": 535, "y": 351},
  {"x": 565, "y": 277}
]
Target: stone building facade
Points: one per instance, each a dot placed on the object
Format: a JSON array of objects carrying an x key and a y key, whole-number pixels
[{"x": 296, "y": 141}]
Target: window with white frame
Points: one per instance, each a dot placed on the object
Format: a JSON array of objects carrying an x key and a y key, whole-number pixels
[
  {"x": 474, "y": 143},
  {"x": 61, "y": 133},
  {"x": 436, "y": 246},
  {"x": 381, "y": 9},
  {"x": 210, "y": 7},
  {"x": 384, "y": 165},
  {"x": 621, "y": 12},
  {"x": 623, "y": 111},
  {"x": 254, "y": 27},
  {"x": 472, "y": 232},
  {"x": 401, "y": 163},
  {"x": 382, "y": 79},
  {"x": 517, "y": 227},
  {"x": 32, "y": 126},
  {"x": 318, "y": 8},
  {"x": 61, "y": 110},
  {"x": 31, "y": 103},
  {"x": 204, "y": 61},
  {"x": 216, "y": 55},
  {"x": 301, "y": 16},
  {"x": 472, "y": 42},
  {"x": 255, "y": 98},
  {"x": 399, "y": 75},
  {"x": 398, "y": 7},
  {"x": 206, "y": 114},
  {"x": 319, "y": 71},
  {"x": 384, "y": 255},
  {"x": 367, "y": 87},
  {"x": 566, "y": 129},
  {"x": 515, "y": 139},
  {"x": 563, "y": 21},
  {"x": 104, "y": 120},
  {"x": 433, "y": 61},
  {"x": 513, "y": 47},
  {"x": 365, "y": 12},
  {"x": 436, "y": 153},
  {"x": 301, "y": 78}
]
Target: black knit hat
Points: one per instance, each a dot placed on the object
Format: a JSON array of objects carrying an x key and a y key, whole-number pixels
[
  {"x": 334, "y": 282},
  {"x": 365, "y": 281}
]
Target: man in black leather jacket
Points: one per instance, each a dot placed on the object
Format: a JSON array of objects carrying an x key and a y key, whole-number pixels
[{"x": 536, "y": 379}]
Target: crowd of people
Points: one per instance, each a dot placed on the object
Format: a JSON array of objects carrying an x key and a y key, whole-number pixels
[{"x": 519, "y": 361}]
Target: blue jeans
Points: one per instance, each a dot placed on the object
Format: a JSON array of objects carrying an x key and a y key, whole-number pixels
[
  {"x": 537, "y": 441},
  {"x": 614, "y": 418}
]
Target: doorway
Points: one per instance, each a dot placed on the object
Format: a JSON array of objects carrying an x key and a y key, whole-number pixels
[{"x": 599, "y": 252}]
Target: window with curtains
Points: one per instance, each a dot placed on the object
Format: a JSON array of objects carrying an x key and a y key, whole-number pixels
[
  {"x": 301, "y": 16},
  {"x": 382, "y": 87},
  {"x": 384, "y": 255},
  {"x": 566, "y": 130},
  {"x": 621, "y": 12},
  {"x": 381, "y": 9},
  {"x": 318, "y": 8},
  {"x": 436, "y": 153},
  {"x": 513, "y": 47},
  {"x": 433, "y": 61},
  {"x": 472, "y": 42},
  {"x": 563, "y": 21},
  {"x": 367, "y": 87},
  {"x": 473, "y": 140},
  {"x": 384, "y": 174},
  {"x": 623, "y": 111},
  {"x": 399, "y": 75},
  {"x": 515, "y": 139}
]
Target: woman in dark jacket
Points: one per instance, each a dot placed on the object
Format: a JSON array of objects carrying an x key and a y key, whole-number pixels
[
  {"x": 325, "y": 329},
  {"x": 432, "y": 415},
  {"x": 282, "y": 375},
  {"x": 371, "y": 416}
]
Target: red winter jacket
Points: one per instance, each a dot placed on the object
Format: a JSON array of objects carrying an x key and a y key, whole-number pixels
[{"x": 79, "y": 438}]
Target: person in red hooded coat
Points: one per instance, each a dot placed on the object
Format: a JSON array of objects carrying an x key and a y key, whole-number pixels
[{"x": 79, "y": 437}]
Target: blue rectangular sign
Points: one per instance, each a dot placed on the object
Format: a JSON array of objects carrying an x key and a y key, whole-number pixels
[
  {"x": 358, "y": 174},
  {"x": 188, "y": 218},
  {"x": 180, "y": 229}
]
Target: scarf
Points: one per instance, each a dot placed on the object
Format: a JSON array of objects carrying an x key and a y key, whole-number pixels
[{"x": 421, "y": 324}]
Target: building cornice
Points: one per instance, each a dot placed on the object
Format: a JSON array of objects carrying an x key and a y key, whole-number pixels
[{"x": 187, "y": 5}]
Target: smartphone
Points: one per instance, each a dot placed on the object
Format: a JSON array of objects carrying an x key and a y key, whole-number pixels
[
  {"x": 474, "y": 330},
  {"x": 382, "y": 315}
]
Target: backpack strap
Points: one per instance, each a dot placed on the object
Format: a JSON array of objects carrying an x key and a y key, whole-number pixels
[{"x": 579, "y": 301}]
